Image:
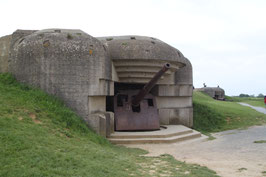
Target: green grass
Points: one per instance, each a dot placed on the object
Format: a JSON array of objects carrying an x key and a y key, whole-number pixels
[
  {"x": 39, "y": 136},
  {"x": 250, "y": 100},
  {"x": 242, "y": 169},
  {"x": 213, "y": 116},
  {"x": 260, "y": 141}
]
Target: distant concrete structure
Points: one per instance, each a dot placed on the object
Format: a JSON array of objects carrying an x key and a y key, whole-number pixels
[
  {"x": 87, "y": 73},
  {"x": 214, "y": 92}
]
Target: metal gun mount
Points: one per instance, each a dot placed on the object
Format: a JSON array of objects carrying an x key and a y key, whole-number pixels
[{"x": 137, "y": 110}]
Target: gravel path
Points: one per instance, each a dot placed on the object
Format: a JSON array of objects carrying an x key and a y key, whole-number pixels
[
  {"x": 233, "y": 153},
  {"x": 259, "y": 109}
]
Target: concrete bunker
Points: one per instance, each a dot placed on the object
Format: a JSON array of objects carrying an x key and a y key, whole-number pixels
[
  {"x": 136, "y": 59},
  {"x": 97, "y": 76},
  {"x": 214, "y": 92}
]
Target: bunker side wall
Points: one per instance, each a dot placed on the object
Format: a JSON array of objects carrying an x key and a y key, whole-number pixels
[
  {"x": 4, "y": 52},
  {"x": 184, "y": 81},
  {"x": 174, "y": 104},
  {"x": 211, "y": 93},
  {"x": 70, "y": 65}
]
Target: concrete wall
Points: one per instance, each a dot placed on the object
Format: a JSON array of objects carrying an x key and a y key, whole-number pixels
[
  {"x": 175, "y": 116},
  {"x": 164, "y": 102},
  {"x": 70, "y": 64},
  {"x": 184, "y": 76},
  {"x": 175, "y": 101},
  {"x": 4, "y": 52},
  {"x": 136, "y": 59},
  {"x": 184, "y": 80},
  {"x": 173, "y": 90}
]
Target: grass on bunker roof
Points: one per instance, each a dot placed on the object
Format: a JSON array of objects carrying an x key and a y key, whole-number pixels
[
  {"x": 39, "y": 136},
  {"x": 214, "y": 116}
]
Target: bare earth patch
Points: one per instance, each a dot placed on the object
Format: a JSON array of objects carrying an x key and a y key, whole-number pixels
[{"x": 34, "y": 119}]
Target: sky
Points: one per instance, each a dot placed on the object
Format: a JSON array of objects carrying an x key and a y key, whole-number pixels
[{"x": 224, "y": 40}]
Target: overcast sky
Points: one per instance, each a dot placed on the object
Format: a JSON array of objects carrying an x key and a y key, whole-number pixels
[{"x": 225, "y": 40}]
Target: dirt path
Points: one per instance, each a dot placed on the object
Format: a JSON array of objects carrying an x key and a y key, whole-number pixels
[{"x": 232, "y": 154}]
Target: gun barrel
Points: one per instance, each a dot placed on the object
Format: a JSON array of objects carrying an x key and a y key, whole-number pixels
[{"x": 149, "y": 85}]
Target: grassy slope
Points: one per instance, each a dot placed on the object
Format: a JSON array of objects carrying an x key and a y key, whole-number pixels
[
  {"x": 250, "y": 100},
  {"x": 39, "y": 136},
  {"x": 212, "y": 116}
]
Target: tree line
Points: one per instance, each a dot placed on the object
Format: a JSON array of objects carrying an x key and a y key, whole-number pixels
[{"x": 247, "y": 95}]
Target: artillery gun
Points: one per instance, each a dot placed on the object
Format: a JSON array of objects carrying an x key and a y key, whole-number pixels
[{"x": 137, "y": 109}]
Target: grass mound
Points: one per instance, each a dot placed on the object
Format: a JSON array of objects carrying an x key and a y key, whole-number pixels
[
  {"x": 39, "y": 136},
  {"x": 212, "y": 115},
  {"x": 250, "y": 100}
]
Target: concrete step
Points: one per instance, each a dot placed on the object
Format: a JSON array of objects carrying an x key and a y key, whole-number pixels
[
  {"x": 170, "y": 134},
  {"x": 164, "y": 132}
]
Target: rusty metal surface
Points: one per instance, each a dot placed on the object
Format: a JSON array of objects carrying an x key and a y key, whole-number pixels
[
  {"x": 126, "y": 119},
  {"x": 136, "y": 109},
  {"x": 149, "y": 85}
]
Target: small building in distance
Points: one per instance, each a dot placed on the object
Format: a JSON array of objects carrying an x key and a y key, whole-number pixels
[{"x": 214, "y": 92}]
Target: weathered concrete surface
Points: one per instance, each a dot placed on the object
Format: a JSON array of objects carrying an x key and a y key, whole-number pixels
[
  {"x": 259, "y": 109},
  {"x": 137, "y": 58},
  {"x": 232, "y": 154},
  {"x": 184, "y": 76},
  {"x": 175, "y": 101},
  {"x": 141, "y": 47},
  {"x": 184, "y": 90},
  {"x": 176, "y": 116},
  {"x": 4, "y": 52},
  {"x": 166, "y": 134},
  {"x": 67, "y": 63}
]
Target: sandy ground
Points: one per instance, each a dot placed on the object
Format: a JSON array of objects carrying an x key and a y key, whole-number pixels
[{"x": 233, "y": 153}]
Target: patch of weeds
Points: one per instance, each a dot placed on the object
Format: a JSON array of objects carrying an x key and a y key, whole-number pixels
[
  {"x": 242, "y": 169},
  {"x": 166, "y": 165},
  {"x": 264, "y": 173},
  {"x": 46, "y": 43},
  {"x": 260, "y": 141},
  {"x": 211, "y": 137},
  {"x": 69, "y": 36},
  {"x": 7, "y": 79},
  {"x": 41, "y": 35},
  {"x": 109, "y": 38},
  {"x": 124, "y": 43}
]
